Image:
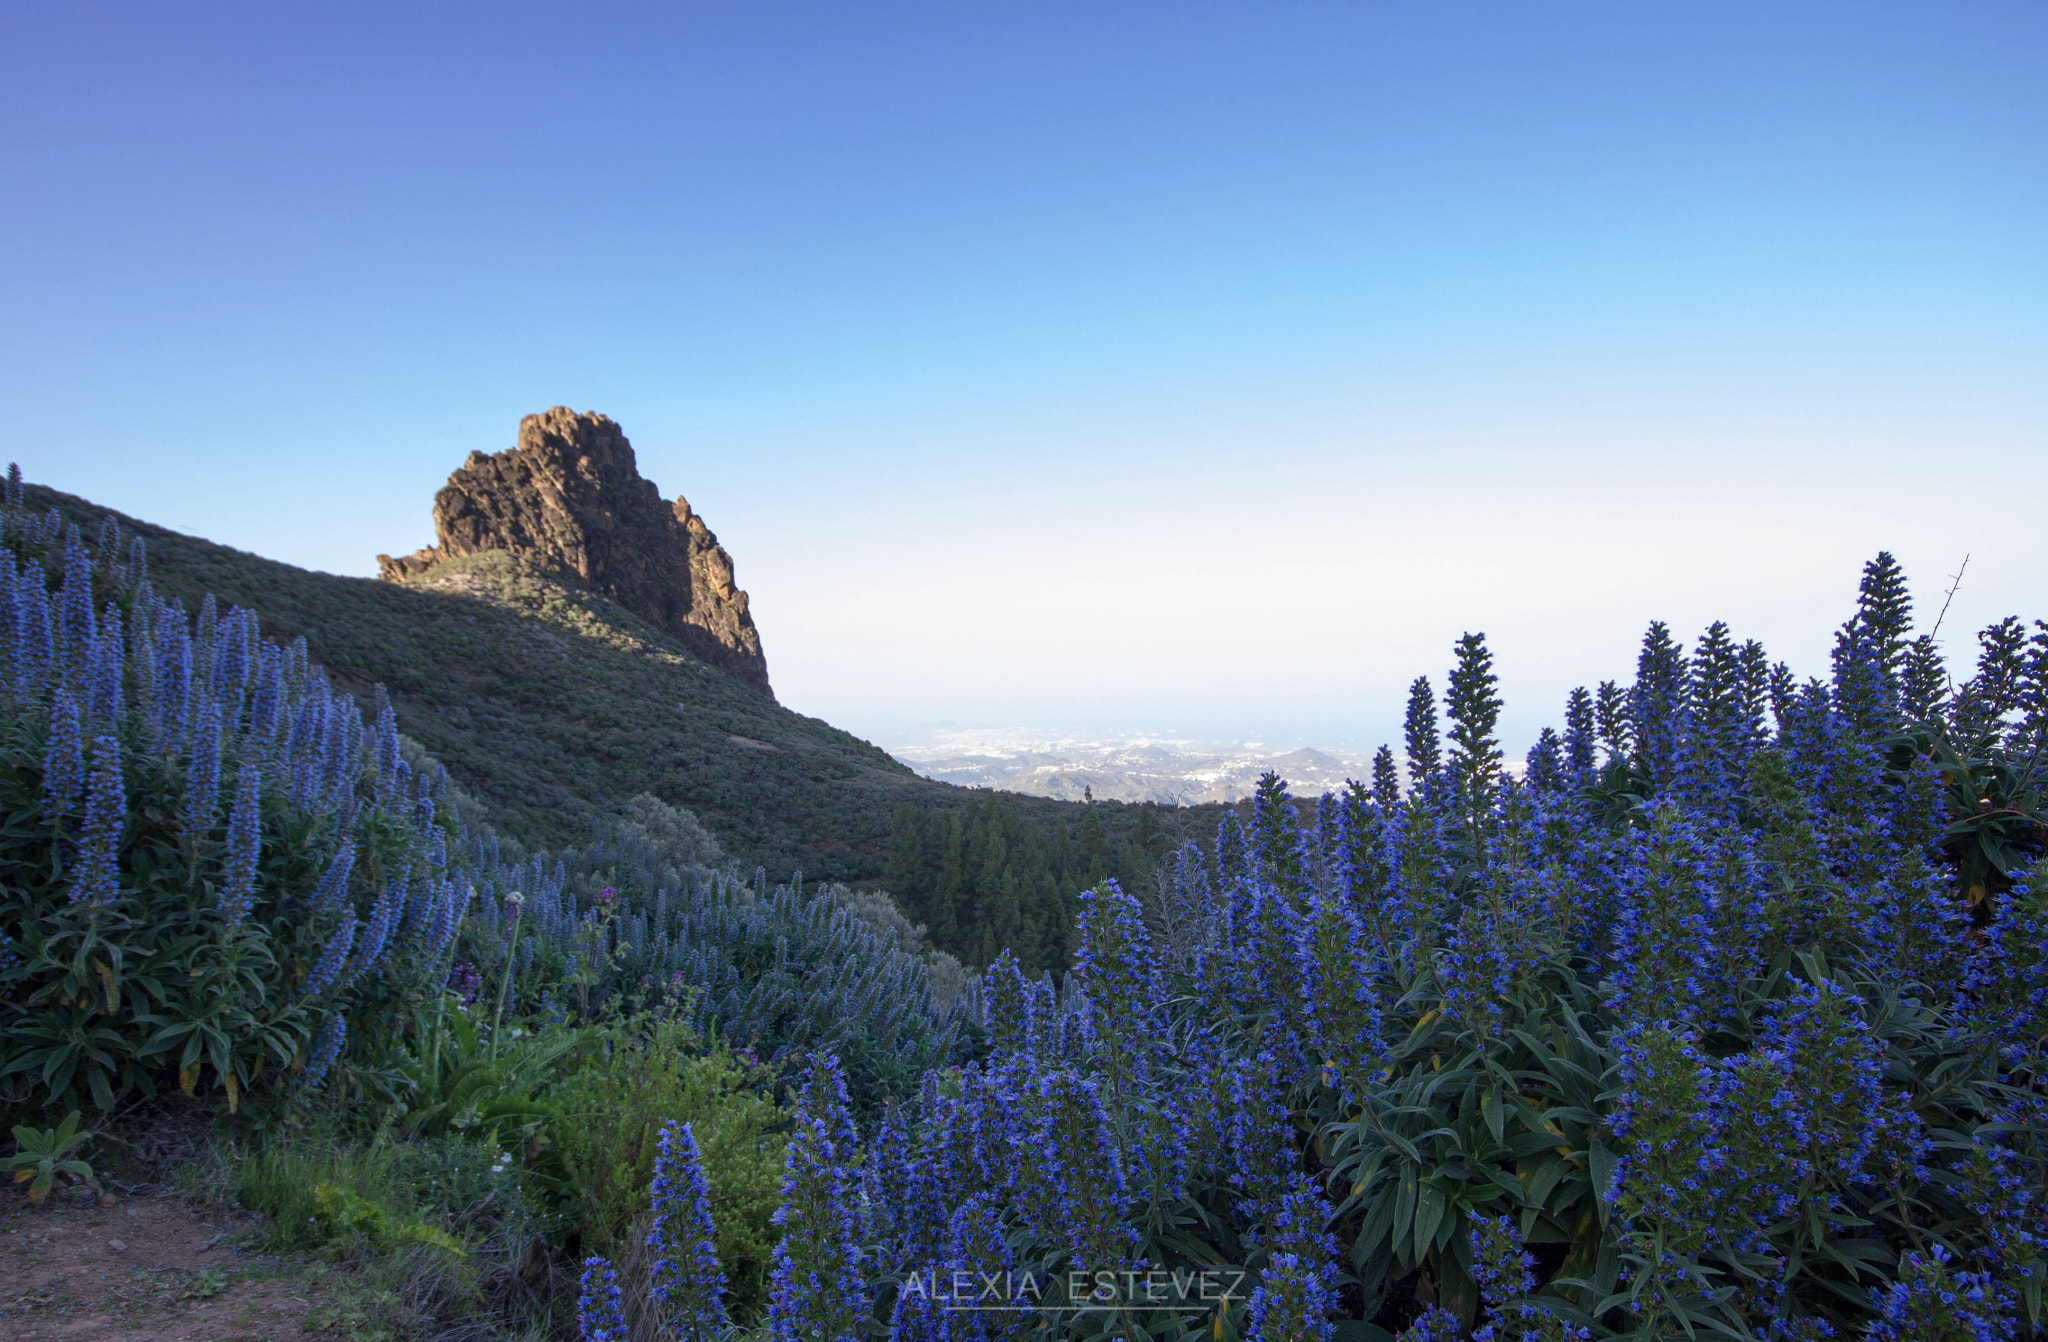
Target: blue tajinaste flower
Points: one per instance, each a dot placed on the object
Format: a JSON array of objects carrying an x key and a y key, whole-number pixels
[
  {"x": 975, "y": 1245},
  {"x": 245, "y": 847},
  {"x": 173, "y": 676},
  {"x": 333, "y": 956},
  {"x": 98, "y": 877},
  {"x": 1931, "y": 1303},
  {"x": 1500, "y": 1266},
  {"x": 104, "y": 674},
  {"x": 1070, "y": 1174},
  {"x": 1341, "y": 1004},
  {"x": 1669, "y": 1160},
  {"x": 390, "y": 768},
  {"x": 685, "y": 1281},
  {"x": 34, "y": 643},
  {"x": 1762, "y": 1136},
  {"x": 1009, "y": 1003},
  {"x": 382, "y": 924},
  {"x": 1434, "y": 1324},
  {"x": 266, "y": 705},
  {"x": 63, "y": 760},
  {"x": 202, "y": 776},
  {"x": 448, "y": 909},
  {"x": 1837, "y": 1071},
  {"x": 1665, "y": 960},
  {"x": 816, "y": 1291},
  {"x": 326, "y": 1051},
  {"x": 1297, "y": 1290},
  {"x": 1258, "y": 1134},
  {"x": 1115, "y": 966},
  {"x": 332, "y": 892},
  {"x": 76, "y": 628},
  {"x": 600, "y": 1311}
]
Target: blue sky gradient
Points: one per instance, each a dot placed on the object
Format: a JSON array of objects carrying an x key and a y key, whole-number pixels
[{"x": 1192, "y": 367}]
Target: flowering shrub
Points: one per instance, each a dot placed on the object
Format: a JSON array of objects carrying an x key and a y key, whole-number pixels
[
  {"x": 1723, "y": 1018},
  {"x": 211, "y": 867}
]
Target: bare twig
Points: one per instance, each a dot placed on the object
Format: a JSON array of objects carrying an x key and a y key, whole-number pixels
[{"x": 1957, "y": 581}]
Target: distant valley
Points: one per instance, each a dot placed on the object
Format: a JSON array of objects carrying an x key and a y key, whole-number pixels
[{"x": 1130, "y": 767}]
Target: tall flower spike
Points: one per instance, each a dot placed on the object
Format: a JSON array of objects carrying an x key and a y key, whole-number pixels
[
  {"x": 202, "y": 777},
  {"x": 326, "y": 1051},
  {"x": 600, "y": 1311},
  {"x": 1419, "y": 733},
  {"x": 98, "y": 877},
  {"x": 332, "y": 892},
  {"x": 1500, "y": 1266},
  {"x": 1115, "y": 966},
  {"x": 685, "y": 1282},
  {"x": 245, "y": 847},
  {"x": 63, "y": 760},
  {"x": 76, "y": 632},
  {"x": 328, "y": 967},
  {"x": 816, "y": 1293},
  {"x": 383, "y": 924},
  {"x": 173, "y": 674},
  {"x": 108, "y": 662},
  {"x": 1297, "y": 1289}
]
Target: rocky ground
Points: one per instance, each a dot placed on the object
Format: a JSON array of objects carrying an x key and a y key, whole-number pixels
[{"x": 150, "y": 1269}]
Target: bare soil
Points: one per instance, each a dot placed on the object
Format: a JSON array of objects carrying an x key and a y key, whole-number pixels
[{"x": 145, "y": 1269}]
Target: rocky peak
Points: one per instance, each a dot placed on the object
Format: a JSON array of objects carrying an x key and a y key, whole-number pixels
[{"x": 570, "y": 497}]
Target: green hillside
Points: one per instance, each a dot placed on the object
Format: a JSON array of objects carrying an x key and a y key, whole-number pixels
[{"x": 553, "y": 706}]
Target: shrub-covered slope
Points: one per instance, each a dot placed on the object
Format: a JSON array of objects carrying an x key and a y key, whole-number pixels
[{"x": 554, "y": 706}]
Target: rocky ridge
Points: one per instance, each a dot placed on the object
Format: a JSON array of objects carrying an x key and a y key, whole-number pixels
[{"x": 569, "y": 497}]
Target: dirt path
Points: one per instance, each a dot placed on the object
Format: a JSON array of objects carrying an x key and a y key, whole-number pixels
[{"x": 146, "y": 1269}]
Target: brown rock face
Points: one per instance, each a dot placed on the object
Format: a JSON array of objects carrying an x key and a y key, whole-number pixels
[{"x": 570, "y": 497}]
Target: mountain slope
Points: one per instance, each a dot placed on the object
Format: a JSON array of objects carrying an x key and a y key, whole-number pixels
[{"x": 553, "y": 705}]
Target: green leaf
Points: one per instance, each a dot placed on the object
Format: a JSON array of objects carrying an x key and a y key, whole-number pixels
[
  {"x": 1429, "y": 1214},
  {"x": 1603, "y": 1161}
]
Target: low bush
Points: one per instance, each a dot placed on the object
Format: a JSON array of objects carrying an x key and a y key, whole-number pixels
[{"x": 605, "y": 1117}]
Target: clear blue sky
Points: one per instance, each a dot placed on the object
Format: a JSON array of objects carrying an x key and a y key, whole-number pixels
[{"x": 1171, "y": 366}]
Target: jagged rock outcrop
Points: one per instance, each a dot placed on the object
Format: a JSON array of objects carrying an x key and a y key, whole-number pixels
[{"x": 570, "y": 497}]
